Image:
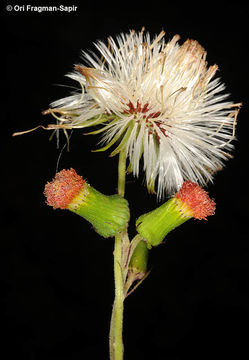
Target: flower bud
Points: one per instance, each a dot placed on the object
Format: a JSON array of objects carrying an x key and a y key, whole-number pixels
[
  {"x": 190, "y": 201},
  {"x": 108, "y": 214},
  {"x": 139, "y": 259}
]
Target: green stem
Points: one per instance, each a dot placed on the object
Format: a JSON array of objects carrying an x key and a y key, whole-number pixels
[
  {"x": 121, "y": 173},
  {"x": 119, "y": 300},
  {"x": 116, "y": 329}
]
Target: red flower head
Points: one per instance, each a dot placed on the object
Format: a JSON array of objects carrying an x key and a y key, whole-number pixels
[
  {"x": 63, "y": 188},
  {"x": 196, "y": 201}
]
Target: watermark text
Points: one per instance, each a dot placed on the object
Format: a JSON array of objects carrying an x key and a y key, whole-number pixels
[{"x": 40, "y": 9}]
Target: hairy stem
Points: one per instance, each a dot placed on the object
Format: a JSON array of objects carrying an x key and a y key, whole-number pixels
[{"x": 116, "y": 328}]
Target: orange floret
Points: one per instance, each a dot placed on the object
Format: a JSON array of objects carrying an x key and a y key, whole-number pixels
[
  {"x": 63, "y": 188},
  {"x": 196, "y": 199}
]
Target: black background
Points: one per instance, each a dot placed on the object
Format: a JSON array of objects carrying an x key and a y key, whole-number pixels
[{"x": 57, "y": 276}]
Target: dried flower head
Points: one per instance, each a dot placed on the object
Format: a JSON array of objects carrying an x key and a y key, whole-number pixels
[{"x": 157, "y": 100}]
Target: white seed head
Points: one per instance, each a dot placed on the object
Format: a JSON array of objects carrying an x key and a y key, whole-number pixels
[{"x": 160, "y": 102}]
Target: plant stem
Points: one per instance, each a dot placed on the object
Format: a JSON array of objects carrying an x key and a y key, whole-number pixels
[
  {"x": 121, "y": 173},
  {"x": 119, "y": 300},
  {"x": 116, "y": 329}
]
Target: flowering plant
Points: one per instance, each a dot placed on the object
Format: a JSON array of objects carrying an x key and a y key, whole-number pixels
[{"x": 158, "y": 103}]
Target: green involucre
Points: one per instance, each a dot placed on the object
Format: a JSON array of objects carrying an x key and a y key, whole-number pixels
[
  {"x": 108, "y": 214},
  {"x": 155, "y": 225}
]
